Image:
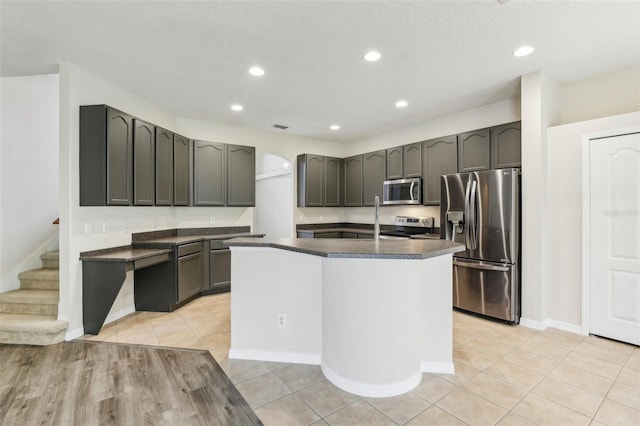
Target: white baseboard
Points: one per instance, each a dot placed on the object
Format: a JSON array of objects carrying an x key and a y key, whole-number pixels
[
  {"x": 290, "y": 357},
  {"x": 437, "y": 367},
  {"x": 374, "y": 391},
  {"x": 74, "y": 334},
  {"x": 543, "y": 325}
]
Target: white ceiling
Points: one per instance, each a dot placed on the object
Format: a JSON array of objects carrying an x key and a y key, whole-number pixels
[{"x": 192, "y": 58}]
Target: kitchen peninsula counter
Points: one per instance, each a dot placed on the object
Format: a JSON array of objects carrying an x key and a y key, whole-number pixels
[{"x": 374, "y": 315}]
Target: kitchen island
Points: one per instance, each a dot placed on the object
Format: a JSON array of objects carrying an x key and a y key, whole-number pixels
[{"x": 373, "y": 314}]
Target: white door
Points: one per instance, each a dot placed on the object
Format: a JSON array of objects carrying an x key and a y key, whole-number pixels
[{"x": 614, "y": 228}]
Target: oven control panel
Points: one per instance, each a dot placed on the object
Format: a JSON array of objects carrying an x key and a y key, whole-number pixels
[{"x": 421, "y": 222}]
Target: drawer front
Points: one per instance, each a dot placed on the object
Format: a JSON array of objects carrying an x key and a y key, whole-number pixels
[
  {"x": 216, "y": 245},
  {"x": 186, "y": 249}
]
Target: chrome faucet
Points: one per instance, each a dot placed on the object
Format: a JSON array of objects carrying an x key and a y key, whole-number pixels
[{"x": 376, "y": 225}]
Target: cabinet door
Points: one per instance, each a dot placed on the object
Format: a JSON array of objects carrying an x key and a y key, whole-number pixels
[
  {"x": 440, "y": 157},
  {"x": 209, "y": 174},
  {"x": 189, "y": 275},
  {"x": 506, "y": 146},
  {"x": 474, "y": 151},
  {"x": 374, "y": 173},
  {"x": 412, "y": 160},
  {"x": 143, "y": 163},
  {"x": 219, "y": 267},
  {"x": 181, "y": 178},
  {"x": 353, "y": 181},
  {"x": 331, "y": 182},
  {"x": 119, "y": 158},
  {"x": 241, "y": 175},
  {"x": 164, "y": 167},
  {"x": 394, "y": 163},
  {"x": 310, "y": 180}
]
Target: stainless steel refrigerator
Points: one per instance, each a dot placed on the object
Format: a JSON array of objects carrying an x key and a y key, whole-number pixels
[{"x": 482, "y": 211}]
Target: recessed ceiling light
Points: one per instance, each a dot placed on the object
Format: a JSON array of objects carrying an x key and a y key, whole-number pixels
[
  {"x": 257, "y": 71},
  {"x": 237, "y": 107},
  {"x": 523, "y": 51},
  {"x": 334, "y": 127},
  {"x": 402, "y": 104},
  {"x": 372, "y": 56}
]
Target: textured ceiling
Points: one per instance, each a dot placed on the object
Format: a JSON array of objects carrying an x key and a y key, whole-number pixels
[{"x": 192, "y": 58}]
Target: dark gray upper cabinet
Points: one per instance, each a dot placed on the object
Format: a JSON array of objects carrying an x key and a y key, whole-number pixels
[
  {"x": 412, "y": 160},
  {"x": 241, "y": 175},
  {"x": 374, "y": 173},
  {"x": 209, "y": 174},
  {"x": 332, "y": 182},
  {"x": 439, "y": 157},
  {"x": 164, "y": 167},
  {"x": 143, "y": 163},
  {"x": 310, "y": 180},
  {"x": 394, "y": 163},
  {"x": 474, "y": 151},
  {"x": 181, "y": 173},
  {"x": 106, "y": 156},
  {"x": 506, "y": 146},
  {"x": 352, "y": 181}
]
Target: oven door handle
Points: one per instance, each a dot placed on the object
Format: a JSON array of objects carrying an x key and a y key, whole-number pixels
[{"x": 481, "y": 265}]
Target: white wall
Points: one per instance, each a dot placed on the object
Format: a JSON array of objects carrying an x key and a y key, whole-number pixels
[
  {"x": 563, "y": 274},
  {"x": 28, "y": 172},
  {"x": 603, "y": 95}
]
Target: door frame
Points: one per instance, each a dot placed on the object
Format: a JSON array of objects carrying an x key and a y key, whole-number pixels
[{"x": 586, "y": 217}]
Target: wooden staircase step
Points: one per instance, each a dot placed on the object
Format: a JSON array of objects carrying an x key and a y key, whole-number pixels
[
  {"x": 40, "y": 279},
  {"x": 31, "y": 329}
]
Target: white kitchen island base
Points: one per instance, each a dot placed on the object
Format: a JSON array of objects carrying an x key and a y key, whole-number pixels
[{"x": 373, "y": 324}]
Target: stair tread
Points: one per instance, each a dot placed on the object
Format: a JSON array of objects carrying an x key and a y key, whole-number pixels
[
  {"x": 31, "y": 323},
  {"x": 50, "y": 255},
  {"x": 30, "y": 296},
  {"x": 42, "y": 274}
]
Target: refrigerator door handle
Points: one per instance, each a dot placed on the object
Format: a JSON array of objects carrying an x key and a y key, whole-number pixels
[
  {"x": 473, "y": 228},
  {"x": 480, "y": 265},
  {"x": 467, "y": 216}
]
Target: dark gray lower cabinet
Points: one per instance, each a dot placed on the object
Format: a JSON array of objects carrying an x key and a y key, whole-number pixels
[
  {"x": 181, "y": 172},
  {"x": 209, "y": 174},
  {"x": 506, "y": 146},
  {"x": 241, "y": 175},
  {"x": 164, "y": 167},
  {"x": 374, "y": 173},
  {"x": 439, "y": 157},
  {"x": 143, "y": 163},
  {"x": 189, "y": 270},
  {"x": 329, "y": 235}
]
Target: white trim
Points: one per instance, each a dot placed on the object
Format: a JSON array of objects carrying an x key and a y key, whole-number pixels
[
  {"x": 543, "y": 325},
  {"x": 290, "y": 357},
  {"x": 533, "y": 324},
  {"x": 74, "y": 334},
  {"x": 586, "y": 218},
  {"x": 437, "y": 367},
  {"x": 375, "y": 391},
  {"x": 275, "y": 173}
]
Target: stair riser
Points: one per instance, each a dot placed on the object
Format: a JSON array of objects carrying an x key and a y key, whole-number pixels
[
  {"x": 26, "y": 338},
  {"x": 28, "y": 308},
  {"x": 50, "y": 264},
  {"x": 40, "y": 284}
]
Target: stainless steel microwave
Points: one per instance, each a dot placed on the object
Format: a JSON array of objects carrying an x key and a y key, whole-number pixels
[{"x": 402, "y": 191}]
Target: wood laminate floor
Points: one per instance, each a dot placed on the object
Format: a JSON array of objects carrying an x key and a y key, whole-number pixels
[{"x": 94, "y": 383}]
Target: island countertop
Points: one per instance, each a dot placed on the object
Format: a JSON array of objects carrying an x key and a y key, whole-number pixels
[{"x": 350, "y": 248}]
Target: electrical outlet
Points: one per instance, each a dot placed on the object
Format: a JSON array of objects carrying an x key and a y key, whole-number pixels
[
  {"x": 105, "y": 227},
  {"x": 212, "y": 220},
  {"x": 88, "y": 228},
  {"x": 282, "y": 320}
]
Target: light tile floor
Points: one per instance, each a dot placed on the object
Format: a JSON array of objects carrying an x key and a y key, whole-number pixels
[{"x": 505, "y": 375}]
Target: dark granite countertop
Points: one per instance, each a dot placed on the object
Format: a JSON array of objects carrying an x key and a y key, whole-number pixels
[
  {"x": 358, "y": 228},
  {"x": 175, "y": 240},
  {"x": 121, "y": 254},
  {"x": 349, "y": 248}
]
